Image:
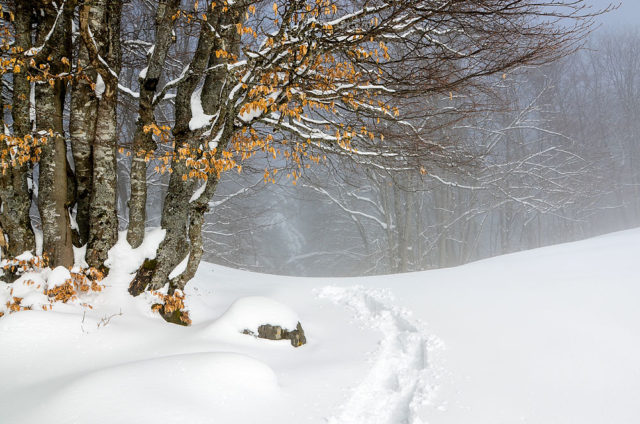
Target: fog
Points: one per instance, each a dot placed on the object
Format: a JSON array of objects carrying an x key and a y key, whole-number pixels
[
  {"x": 555, "y": 159},
  {"x": 564, "y": 167}
]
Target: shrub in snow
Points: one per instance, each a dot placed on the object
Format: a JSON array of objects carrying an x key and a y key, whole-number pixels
[
  {"x": 12, "y": 269},
  {"x": 172, "y": 307},
  {"x": 78, "y": 282},
  {"x": 37, "y": 286}
]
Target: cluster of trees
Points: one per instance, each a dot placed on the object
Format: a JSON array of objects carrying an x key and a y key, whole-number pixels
[
  {"x": 122, "y": 113},
  {"x": 556, "y": 164}
]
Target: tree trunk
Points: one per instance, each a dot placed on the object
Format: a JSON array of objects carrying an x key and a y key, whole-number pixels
[
  {"x": 143, "y": 140},
  {"x": 84, "y": 106},
  {"x": 103, "y": 216},
  {"x": 53, "y": 179},
  {"x": 175, "y": 216},
  {"x": 198, "y": 208},
  {"x": 175, "y": 220},
  {"x": 50, "y": 96},
  {"x": 175, "y": 245},
  {"x": 14, "y": 191},
  {"x": 104, "y": 23}
]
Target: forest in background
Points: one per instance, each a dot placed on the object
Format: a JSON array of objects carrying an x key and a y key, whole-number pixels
[{"x": 556, "y": 165}]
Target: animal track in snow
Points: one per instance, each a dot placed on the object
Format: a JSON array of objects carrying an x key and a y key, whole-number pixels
[{"x": 400, "y": 380}]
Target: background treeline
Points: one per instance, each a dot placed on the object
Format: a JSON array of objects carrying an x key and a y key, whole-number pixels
[{"x": 558, "y": 163}]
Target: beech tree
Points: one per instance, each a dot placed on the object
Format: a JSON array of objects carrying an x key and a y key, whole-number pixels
[{"x": 296, "y": 79}]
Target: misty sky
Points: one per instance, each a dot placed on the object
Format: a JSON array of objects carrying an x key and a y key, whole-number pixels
[{"x": 628, "y": 14}]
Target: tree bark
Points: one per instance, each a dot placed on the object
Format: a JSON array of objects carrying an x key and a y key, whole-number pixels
[
  {"x": 50, "y": 96},
  {"x": 84, "y": 106},
  {"x": 14, "y": 191},
  {"x": 183, "y": 225},
  {"x": 100, "y": 28},
  {"x": 143, "y": 140},
  {"x": 198, "y": 208}
]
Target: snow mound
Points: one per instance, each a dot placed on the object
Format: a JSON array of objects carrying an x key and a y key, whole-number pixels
[
  {"x": 124, "y": 259},
  {"x": 163, "y": 390},
  {"x": 26, "y": 256},
  {"x": 58, "y": 277},
  {"x": 28, "y": 283},
  {"x": 248, "y": 313}
]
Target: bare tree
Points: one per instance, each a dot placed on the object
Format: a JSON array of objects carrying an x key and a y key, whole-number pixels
[{"x": 219, "y": 81}]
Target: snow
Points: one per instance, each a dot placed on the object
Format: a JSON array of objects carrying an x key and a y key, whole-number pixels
[
  {"x": 123, "y": 259},
  {"x": 198, "y": 118},
  {"x": 33, "y": 299},
  {"x": 249, "y": 313},
  {"x": 197, "y": 193},
  {"x": 100, "y": 87},
  {"x": 229, "y": 371},
  {"x": 37, "y": 232},
  {"x": 400, "y": 374},
  {"x": 129, "y": 91},
  {"x": 180, "y": 268},
  {"x": 250, "y": 114},
  {"x": 79, "y": 257},
  {"x": 24, "y": 286},
  {"x": 26, "y": 256},
  {"x": 544, "y": 336},
  {"x": 58, "y": 277},
  {"x": 32, "y": 104}
]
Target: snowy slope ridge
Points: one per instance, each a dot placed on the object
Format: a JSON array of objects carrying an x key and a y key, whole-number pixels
[{"x": 544, "y": 336}]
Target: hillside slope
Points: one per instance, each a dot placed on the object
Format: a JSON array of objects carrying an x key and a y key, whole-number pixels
[{"x": 545, "y": 336}]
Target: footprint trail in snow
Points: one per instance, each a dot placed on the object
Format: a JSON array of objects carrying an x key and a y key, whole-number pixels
[{"x": 400, "y": 380}]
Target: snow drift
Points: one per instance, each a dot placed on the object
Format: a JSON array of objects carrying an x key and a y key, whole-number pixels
[{"x": 544, "y": 336}]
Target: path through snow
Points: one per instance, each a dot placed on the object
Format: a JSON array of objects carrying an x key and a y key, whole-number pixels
[{"x": 401, "y": 379}]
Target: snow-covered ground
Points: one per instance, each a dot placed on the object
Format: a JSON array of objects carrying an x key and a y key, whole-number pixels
[{"x": 545, "y": 336}]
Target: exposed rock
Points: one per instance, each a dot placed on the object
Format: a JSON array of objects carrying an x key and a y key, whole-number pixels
[{"x": 275, "y": 332}]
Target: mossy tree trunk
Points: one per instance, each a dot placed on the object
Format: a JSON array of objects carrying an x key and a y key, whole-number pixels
[
  {"x": 104, "y": 24},
  {"x": 183, "y": 216},
  {"x": 14, "y": 191}
]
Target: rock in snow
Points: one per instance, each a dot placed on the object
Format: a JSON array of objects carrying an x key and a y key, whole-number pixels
[{"x": 275, "y": 332}]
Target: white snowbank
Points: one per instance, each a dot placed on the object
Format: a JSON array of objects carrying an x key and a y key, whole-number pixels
[
  {"x": 57, "y": 277},
  {"x": 26, "y": 256},
  {"x": 248, "y": 313},
  {"x": 121, "y": 390},
  {"x": 28, "y": 283},
  {"x": 545, "y": 336},
  {"x": 123, "y": 259},
  {"x": 33, "y": 299}
]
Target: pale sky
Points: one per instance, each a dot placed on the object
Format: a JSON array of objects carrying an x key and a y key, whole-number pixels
[{"x": 628, "y": 14}]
